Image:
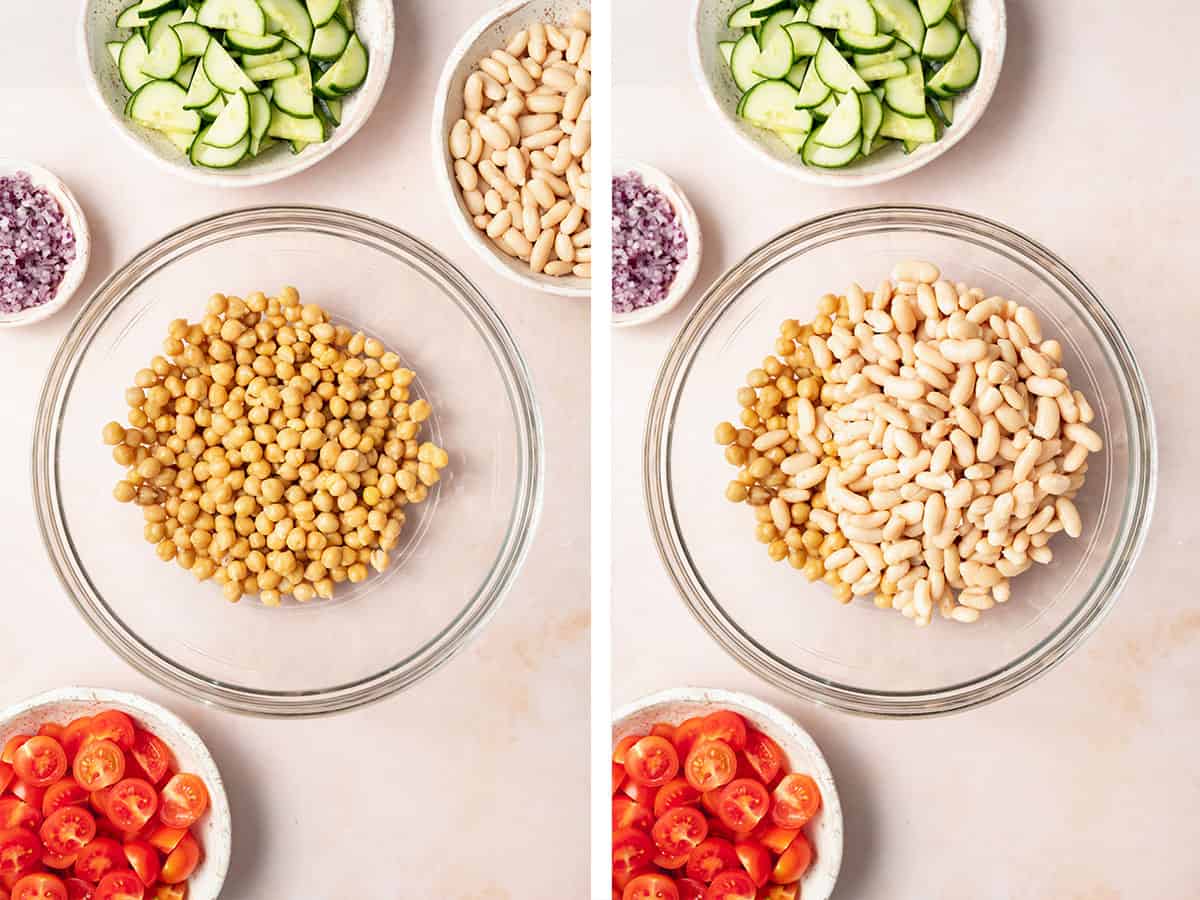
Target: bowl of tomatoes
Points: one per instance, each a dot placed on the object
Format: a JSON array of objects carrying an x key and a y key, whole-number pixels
[
  {"x": 105, "y": 795},
  {"x": 719, "y": 796}
]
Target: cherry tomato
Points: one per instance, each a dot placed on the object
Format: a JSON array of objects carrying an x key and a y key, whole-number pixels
[
  {"x": 623, "y": 746},
  {"x": 16, "y": 813},
  {"x": 10, "y": 748},
  {"x": 618, "y": 776},
  {"x": 97, "y": 859},
  {"x": 711, "y": 800},
  {"x": 633, "y": 853},
  {"x": 39, "y": 887},
  {"x": 20, "y": 852},
  {"x": 113, "y": 725},
  {"x": 627, "y": 814},
  {"x": 756, "y": 860},
  {"x": 52, "y": 860},
  {"x": 725, "y": 725},
  {"x": 651, "y": 887},
  {"x": 184, "y": 800},
  {"x": 774, "y": 838},
  {"x": 686, "y": 736},
  {"x": 120, "y": 886},
  {"x": 131, "y": 803},
  {"x": 731, "y": 885},
  {"x": 780, "y": 892},
  {"x": 182, "y": 862},
  {"x": 710, "y": 765},
  {"x": 164, "y": 839},
  {"x": 68, "y": 830},
  {"x": 797, "y": 799},
  {"x": 663, "y": 730},
  {"x": 652, "y": 761},
  {"x": 22, "y": 790},
  {"x": 78, "y": 889},
  {"x": 169, "y": 892},
  {"x": 717, "y": 828},
  {"x": 680, "y": 830},
  {"x": 712, "y": 857},
  {"x": 100, "y": 764},
  {"x": 51, "y": 729},
  {"x": 671, "y": 862},
  {"x": 152, "y": 755},
  {"x": 63, "y": 793},
  {"x": 743, "y": 804},
  {"x": 6, "y": 776},
  {"x": 75, "y": 735},
  {"x": 794, "y": 861},
  {"x": 690, "y": 889},
  {"x": 676, "y": 792},
  {"x": 764, "y": 756},
  {"x": 143, "y": 859},
  {"x": 639, "y": 793}
]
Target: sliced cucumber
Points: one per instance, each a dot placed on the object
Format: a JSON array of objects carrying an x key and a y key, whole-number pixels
[
  {"x": 960, "y": 72},
  {"x": 760, "y": 9},
  {"x": 294, "y": 94},
  {"x": 290, "y": 128},
  {"x": 835, "y": 71},
  {"x": 193, "y": 38},
  {"x": 223, "y": 71},
  {"x": 883, "y": 71},
  {"x": 133, "y": 57},
  {"x": 114, "y": 50},
  {"x": 287, "y": 51},
  {"x": 945, "y": 106},
  {"x": 904, "y": 18},
  {"x": 181, "y": 139},
  {"x": 813, "y": 91},
  {"x": 865, "y": 43},
  {"x": 795, "y": 75},
  {"x": 806, "y": 39},
  {"x": 189, "y": 15},
  {"x": 209, "y": 113},
  {"x": 899, "y": 50},
  {"x": 131, "y": 18},
  {"x": 850, "y": 15},
  {"x": 254, "y": 44},
  {"x": 204, "y": 154},
  {"x": 772, "y": 104},
  {"x": 958, "y": 14},
  {"x": 260, "y": 121},
  {"x": 776, "y": 55},
  {"x": 826, "y": 109},
  {"x": 183, "y": 77},
  {"x": 941, "y": 40},
  {"x": 233, "y": 15},
  {"x": 148, "y": 8},
  {"x": 348, "y": 72},
  {"x": 232, "y": 124},
  {"x": 793, "y": 140},
  {"x": 291, "y": 18},
  {"x": 165, "y": 57},
  {"x": 872, "y": 117},
  {"x": 201, "y": 92},
  {"x": 933, "y": 11},
  {"x": 815, "y": 154},
  {"x": 743, "y": 61},
  {"x": 334, "y": 109},
  {"x": 904, "y": 128},
  {"x": 321, "y": 11},
  {"x": 740, "y": 17},
  {"x": 906, "y": 93},
  {"x": 845, "y": 125},
  {"x": 297, "y": 147},
  {"x": 801, "y": 14},
  {"x": 161, "y": 23},
  {"x": 330, "y": 40},
  {"x": 726, "y": 48},
  {"x": 345, "y": 14},
  {"x": 159, "y": 104},
  {"x": 285, "y": 68}
]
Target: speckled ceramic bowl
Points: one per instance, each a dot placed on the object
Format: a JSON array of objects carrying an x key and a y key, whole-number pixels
[
  {"x": 214, "y": 830},
  {"x": 825, "y": 831}
]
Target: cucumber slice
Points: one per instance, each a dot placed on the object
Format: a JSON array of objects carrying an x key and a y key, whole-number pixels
[
  {"x": 904, "y": 18},
  {"x": 334, "y": 109},
  {"x": 815, "y": 154},
  {"x": 233, "y": 15},
  {"x": 743, "y": 61},
  {"x": 933, "y": 11},
  {"x": 795, "y": 75},
  {"x": 289, "y": 128},
  {"x": 826, "y": 109},
  {"x": 905, "y": 128},
  {"x": 201, "y": 92},
  {"x": 254, "y": 44},
  {"x": 844, "y": 126},
  {"x": 899, "y": 50},
  {"x": 740, "y": 17},
  {"x": 801, "y": 14},
  {"x": 193, "y": 38},
  {"x": 959, "y": 73},
  {"x": 260, "y": 121},
  {"x": 131, "y": 18},
  {"x": 159, "y": 104},
  {"x": 776, "y": 56},
  {"x": 161, "y": 23},
  {"x": 204, "y": 154},
  {"x": 761, "y": 9},
  {"x": 865, "y": 43},
  {"x": 906, "y": 93},
  {"x": 813, "y": 91},
  {"x": 209, "y": 113},
  {"x": 349, "y": 71},
  {"x": 148, "y": 8},
  {"x": 287, "y": 51},
  {"x": 297, "y": 147},
  {"x": 189, "y": 15},
  {"x": 114, "y": 50},
  {"x": 330, "y": 40},
  {"x": 345, "y": 14},
  {"x": 793, "y": 140},
  {"x": 726, "y": 48},
  {"x": 835, "y": 71},
  {"x": 224, "y": 72},
  {"x": 165, "y": 57},
  {"x": 321, "y": 11},
  {"x": 181, "y": 139},
  {"x": 294, "y": 94},
  {"x": 941, "y": 40},
  {"x": 285, "y": 68},
  {"x": 806, "y": 39},
  {"x": 291, "y": 18},
  {"x": 133, "y": 57},
  {"x": 772, "y": 104},
  {"x": 232, "y": 124},
  {"x": 183, "y": 77},
  {"x": 958, "y": 14},
  {"x": 872, "y": 118},
  {"x": 945, "y": 106},
  {"x": 882, "y": 72},
  {"x": 851, "y": 15}
]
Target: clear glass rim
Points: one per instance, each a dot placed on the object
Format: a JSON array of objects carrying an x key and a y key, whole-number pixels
[
  {"x": 439, "y": 649},
  {"x": 659, "y": 434}
]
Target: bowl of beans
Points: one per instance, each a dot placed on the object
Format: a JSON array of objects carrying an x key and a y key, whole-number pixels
[
  {"x": 286, "y": 454},
  {"x": 928, "y": 472},
  {"x": 512, "y": 142}
]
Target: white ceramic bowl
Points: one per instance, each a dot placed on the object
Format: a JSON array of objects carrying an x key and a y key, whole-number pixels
[
  {"x": 490, "y": 33},
  {"x": 825, "y": 831},
  {"x": 374, "y": 21},
  {"x": 73, "y": 213},
  {"x": 986, "y": 23},
  {"x": 214, "y": 830},
  {"x": 686, "y": 276}
]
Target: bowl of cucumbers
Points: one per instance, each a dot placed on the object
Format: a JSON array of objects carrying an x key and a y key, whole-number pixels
[
  {"x": 848, "y": 92},
  {"x": 237, "y": 93}
]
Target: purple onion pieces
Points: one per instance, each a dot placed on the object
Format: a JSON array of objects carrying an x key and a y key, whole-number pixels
[
  {"x": 649, "y": 244},
  {"x": 36, "y": 244}
]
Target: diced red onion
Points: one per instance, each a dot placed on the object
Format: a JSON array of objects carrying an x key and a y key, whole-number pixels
[
  {"x": 649, "y": 244},
  {"x": 37, "y": 244}
]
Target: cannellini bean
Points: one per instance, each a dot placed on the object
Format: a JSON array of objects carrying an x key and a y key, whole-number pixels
[{"x": 468, "y": 177}]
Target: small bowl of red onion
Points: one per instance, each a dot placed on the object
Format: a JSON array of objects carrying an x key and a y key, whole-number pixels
[
  {"x": 656, "y": 244},
  {"x": 44, "y": 244}
]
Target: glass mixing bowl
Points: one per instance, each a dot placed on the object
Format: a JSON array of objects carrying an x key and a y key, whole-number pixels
[
  {"x": 792, "y": 633},
  {"x": 459, "y": 551}
]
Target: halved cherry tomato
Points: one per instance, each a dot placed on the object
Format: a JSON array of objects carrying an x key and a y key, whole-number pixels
[
  {"x": 100, "y": 764},
  {"x": 143, "y": 859},
  {"x": 113, "y": 725},
  {"x": 51, "y": 729},
  {"x": 75, "y": 735},
  {"x": 184, "y": 800},
  {"x": 774, "y": 838},
  {"x": 797, "y": 799},
  {"x": 743, "y": 804},
  {"x": 131, "y": 803},
  {"x": 16, "y": 813},
  {"x": 651, "y": 887},
  {"x": 671, "y": 862},
  {"x": 152, "y": 755},
  {"x": 627, "y": 814},
  {"x": 164, "y": 839},
  {"x": 756, "y": 860},
  {"x": 39, "y": 887},
  {"x": 78, "y": 889},
  {"x": 11, "y": 746},
  {"x": 6, "y": 776},
  {"x": 676, "y": 792},
  {"x": 633, "y": 853},
  {"x": 731, "y": 885},
  {"x": 639, "y": 793},
  {"x": 623, "y": 746},
  {"x": 712, "y": 857},
  {"x": 618, "y": 776},
  {"x": 120, "y": 886},
  {"x": 182, "y": 862},
  {"x": 680, "y": 830},
  {"x": 99, "y": 801},
  {"x": 169, "y": 892},
  {"x": 725, "y": 725},
  {"x": 68, "y": 830},
  {"x": 20, "y": 852},
  {"x": 97, "y": 859},
  {"x": 794, "y": 861},
  {"x": 764, "y": 755},
  {"x": 717, "y": 828},
  {"x": 711, "y": 800},
  {"x": 652, "y": 761},
  {"x": 63, "y": 793},
  {"x": 23, "y": 790},
  {"x": 53, "y": 860},
  {"x": 780, "y": 892},
  {"x": 690, "y": 889},
  {"x": 686, "y": 736},
  {"x": 663, "y": 730},
  {"x": 710, "y": 765}
]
